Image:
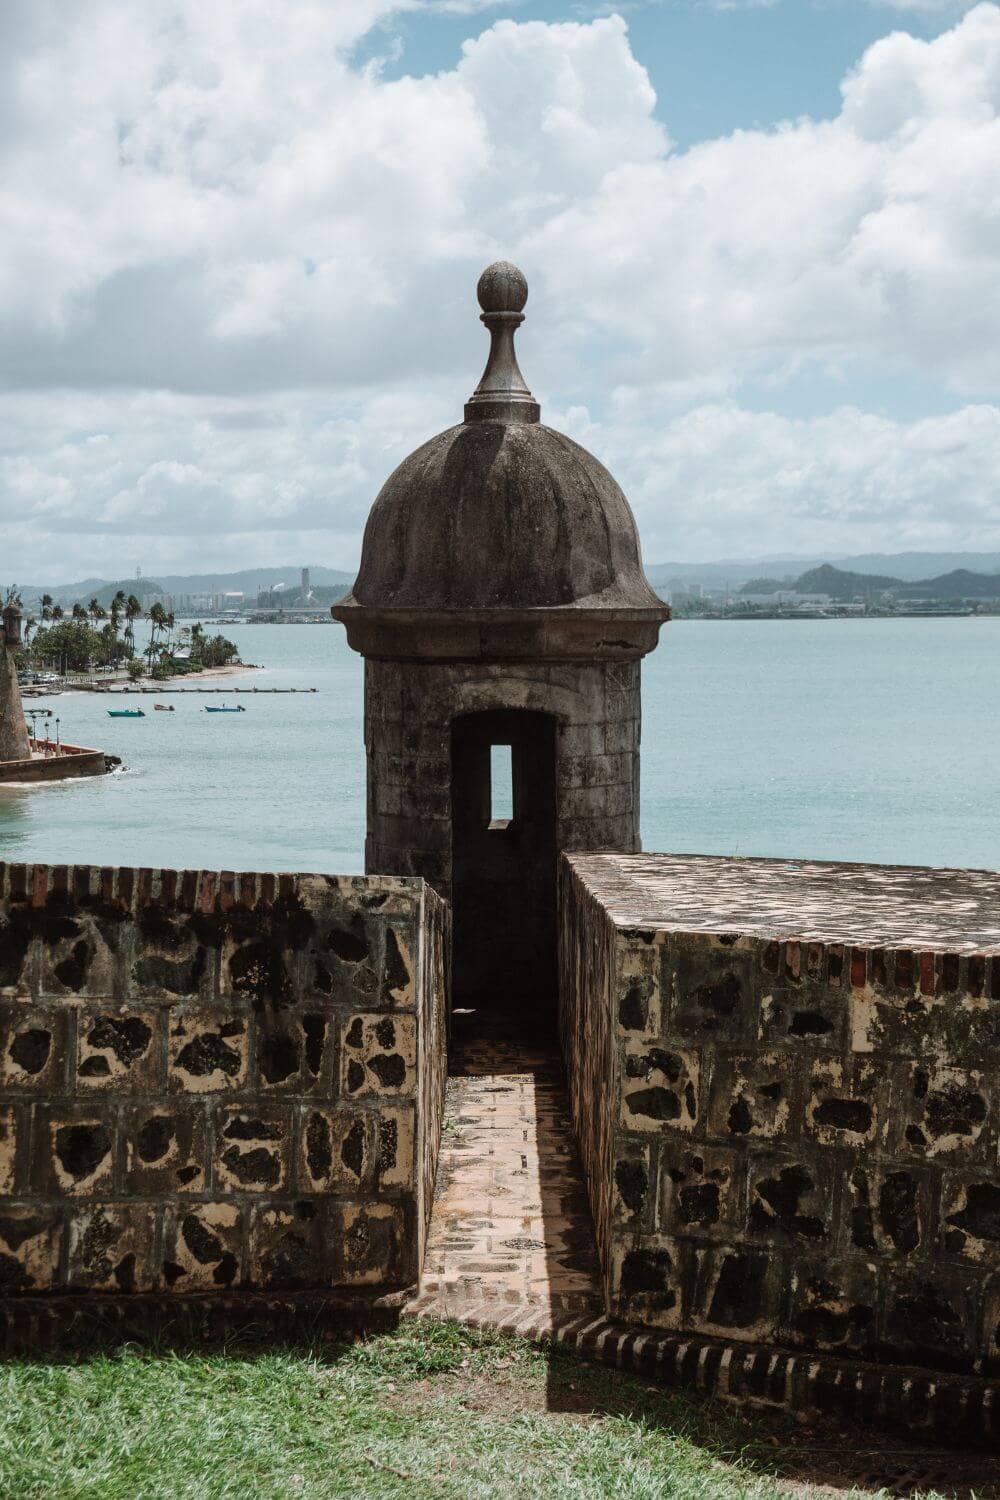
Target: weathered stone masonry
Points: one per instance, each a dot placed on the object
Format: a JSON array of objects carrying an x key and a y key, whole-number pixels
[
  {"x": 409, "y": 710},
  {"x": 212, "y": 1081},
  {"x": 785, "y": 1083}
]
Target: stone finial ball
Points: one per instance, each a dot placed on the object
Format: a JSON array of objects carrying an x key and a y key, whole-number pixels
[{"x": 502, "y": 288}]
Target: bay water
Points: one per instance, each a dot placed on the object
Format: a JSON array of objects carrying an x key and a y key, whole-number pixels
[{"x": 867, "y": 739}]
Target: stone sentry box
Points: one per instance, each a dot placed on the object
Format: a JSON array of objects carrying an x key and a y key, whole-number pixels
[
  {"x": 212, "y": 1081},
  {"x": 785, "y": 1083},
  {"x": 501, "y": 600}
]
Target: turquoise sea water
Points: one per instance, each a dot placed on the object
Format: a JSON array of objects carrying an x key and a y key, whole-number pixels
[{"x": 856, "y": 739}]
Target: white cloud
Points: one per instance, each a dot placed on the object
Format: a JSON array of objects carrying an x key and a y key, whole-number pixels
[
  {"x": 719, "y": 480},
  {"x": 236, "y": 272},
  {"x": 876, "y": 234},
  {"x": 104, "y": 482}
]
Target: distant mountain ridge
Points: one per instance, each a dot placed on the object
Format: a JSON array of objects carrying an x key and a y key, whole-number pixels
[
  {"x": 247, "y": 580},
  {"x": 968, "y": 572},
  {"x": 908, "y": 567},
  {"x": 844, "y": 585}
]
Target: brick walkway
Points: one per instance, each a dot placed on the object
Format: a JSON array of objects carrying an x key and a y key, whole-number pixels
[{"x": 511, "y": 1220}]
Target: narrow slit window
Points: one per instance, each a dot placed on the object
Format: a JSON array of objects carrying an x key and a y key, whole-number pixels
[{"x": 501, "y": 785}]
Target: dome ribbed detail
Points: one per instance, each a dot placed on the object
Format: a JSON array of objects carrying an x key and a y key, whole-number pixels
[{"x": 496, "y": 515}]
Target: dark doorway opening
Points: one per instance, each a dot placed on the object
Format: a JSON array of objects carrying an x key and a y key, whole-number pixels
[{"x": 503, "y": 811}]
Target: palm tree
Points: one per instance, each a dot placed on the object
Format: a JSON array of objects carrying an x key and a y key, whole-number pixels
[
  {"x": 133, "y": 609},
  {"x": 157, "y": 624},
  {"x": 46, "y": 606},
  {"x": 57, "y": 612},
  {"x": 96, "y": 610},
  {"x": 79, "y": 613},
  {"x": 115, "y": 614}
]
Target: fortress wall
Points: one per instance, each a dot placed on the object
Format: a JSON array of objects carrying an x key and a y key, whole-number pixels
[
  {"x": 785, "y": 1082},
  {"x": 214, "y": 1081}
]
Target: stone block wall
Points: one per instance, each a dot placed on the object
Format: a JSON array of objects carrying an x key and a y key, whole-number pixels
[
  {"x": 785, "y": 1080},
  {"x": 409, "y": 708},
  {"x": 216, "y": 1081}
]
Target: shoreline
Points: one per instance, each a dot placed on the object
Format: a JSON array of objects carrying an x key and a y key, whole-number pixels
[{"x": 166, "y": 684}]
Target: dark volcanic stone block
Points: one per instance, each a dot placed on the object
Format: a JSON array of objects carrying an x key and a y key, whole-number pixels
[
  {"x": 30, "y": 1242},
  {"x": 634, "y": 1189},
  {"x": 203, "y": 1246},
  {"x": 660, "y": 1087},
  {"x": 336, "y": 1149},
  {"x": 699, "y": 1189},
  {"x": 931, "y": 1320},
  {"x": 648, "y": 1279},
  {"x": 111, "y": 1247},
  {"x": 208, "y": 1051},
  {"x": 378, "y": 1055},
  {"x": 888, "y": 1210},
  {"x": 811, "y": 1015},
  {"x": 846, "y": 1105},
  {"x": 371, "y": 1244},
  {"x": 290, "y": 1245},
  {"x": 736, "y": 1290},
  {"x": 713, "y": 991},
  {"x": 74, "y": 1149},
  {"x": 169, "y": 958},
  {"x": 833, "y": 1307},
  {"x": 792, "y": 1199},
  {"x": 33, "y": 1049},
  {"x": 970, "y": 1214},
  {"x": 252, "y": 1149},
  {"x": 945, "y": 1112},
  {"x": 753, "y": 1096},
  {"x": 120, "y": 1051},
  {"x": 166, "y": 1147}
]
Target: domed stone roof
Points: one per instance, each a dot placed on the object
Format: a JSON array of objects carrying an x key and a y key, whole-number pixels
[{"x": 501, "y": 512}]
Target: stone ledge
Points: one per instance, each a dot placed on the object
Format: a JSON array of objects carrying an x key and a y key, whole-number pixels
[
  {"x": 955, "y": 1410},
  {"x": 884, "y": 906}
]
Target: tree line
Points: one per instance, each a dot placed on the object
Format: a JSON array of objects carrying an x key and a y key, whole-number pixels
[{"x": 91, "y": 636}]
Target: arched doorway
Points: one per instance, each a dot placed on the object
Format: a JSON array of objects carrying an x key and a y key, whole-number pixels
[{"x": 503, "y": 813}]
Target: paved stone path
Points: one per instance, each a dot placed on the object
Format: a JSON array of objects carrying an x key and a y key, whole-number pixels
[{"x": 511, "y": 1219}]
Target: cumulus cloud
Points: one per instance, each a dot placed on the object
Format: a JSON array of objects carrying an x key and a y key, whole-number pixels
[
  {"x": 104, "y": 481},
  {"x": 719, "y": 480},
  {"x": 236, "y": 268}
]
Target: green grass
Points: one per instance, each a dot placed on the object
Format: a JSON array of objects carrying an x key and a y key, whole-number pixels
[{"x": 430, "y": 1410}]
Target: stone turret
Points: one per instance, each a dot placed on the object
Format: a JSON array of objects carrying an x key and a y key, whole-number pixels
[
  {"x": 14, "y": 742},
  {"x": 502, "y": 610}
]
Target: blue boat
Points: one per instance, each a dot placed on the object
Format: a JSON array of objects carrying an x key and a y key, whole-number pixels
[
  {"x": 126, "y": 713},
  {"x": 224, "y": 708}
]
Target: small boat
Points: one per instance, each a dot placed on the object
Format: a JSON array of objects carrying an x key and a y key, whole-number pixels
[
  {"x": 126, "y": 713},
  {"x": 164, "y": 708},
  {"x": 224, "y": 708}
]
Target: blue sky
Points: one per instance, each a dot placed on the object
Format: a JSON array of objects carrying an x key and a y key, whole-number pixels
[
  {"x": 715, "y": 68},
  {"x": 239, "y": 245}
]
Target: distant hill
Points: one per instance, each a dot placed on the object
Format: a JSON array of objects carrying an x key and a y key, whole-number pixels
[
  {"x": 146, "y": 590},
  {"x": 958, "y": 584},
  {"x": 905, "y": 567},
  {"x": 841, "y": 584},
  {"x": 844, "y": 585},
  {"x": 248, "y": 581}
]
